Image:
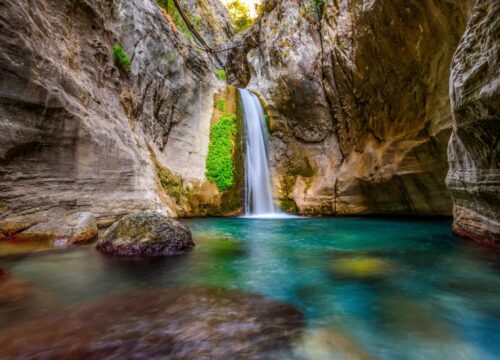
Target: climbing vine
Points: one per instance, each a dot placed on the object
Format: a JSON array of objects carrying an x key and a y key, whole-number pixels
[{"x": 220, "y": 167}]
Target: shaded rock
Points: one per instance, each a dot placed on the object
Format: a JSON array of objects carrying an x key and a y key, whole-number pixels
[
  {"x": 362, "y": 268},
  {"x": 174, "y": 324},
  {"x": 77, "y": 228},
  {"x": 374, "y": 143},
  {"x": 474, "y": 147},
  {"x": 146, "y": 234}
]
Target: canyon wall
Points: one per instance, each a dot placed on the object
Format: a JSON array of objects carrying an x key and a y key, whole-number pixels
[
  {"x": 474, "y": 148},
  {"x": 80, "y": 133},
  {"x": 357, "y": 95}
]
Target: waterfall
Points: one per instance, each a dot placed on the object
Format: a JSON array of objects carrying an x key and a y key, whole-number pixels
[{"x": 258, "y": 193}]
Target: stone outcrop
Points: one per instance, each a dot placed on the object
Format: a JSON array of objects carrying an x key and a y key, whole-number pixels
[
  {"x": 357, "y": 93},
  {"x": 175, "y": 324},
  {"x": 474, "y": 148},
  {"x": 146, "y": 234},
  {"x": 76, "y": 130},
  {"x": 72, "y": 229}
]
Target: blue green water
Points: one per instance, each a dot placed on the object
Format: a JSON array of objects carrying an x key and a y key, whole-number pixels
[{"x": 369, "y": 288}]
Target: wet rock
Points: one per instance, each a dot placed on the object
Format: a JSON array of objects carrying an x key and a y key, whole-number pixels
[
  {"x": 174, "y": 324},
  {"x": 77, "y": 228},
  {"x": 146, "y": 234},
  {"x": 362, "y": 268},
  {"x": 474, "y": 149}
]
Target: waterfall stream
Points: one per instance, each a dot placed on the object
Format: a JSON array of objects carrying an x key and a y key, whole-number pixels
[{"x": 258, "y": 192}]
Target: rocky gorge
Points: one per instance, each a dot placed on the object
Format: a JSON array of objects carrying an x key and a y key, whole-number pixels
[{"x": 360, "y": 96}]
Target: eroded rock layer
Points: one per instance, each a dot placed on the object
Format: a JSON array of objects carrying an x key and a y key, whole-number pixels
[
  {"x": 474, "y": 148},
  {"x": 357, "y": 93}
]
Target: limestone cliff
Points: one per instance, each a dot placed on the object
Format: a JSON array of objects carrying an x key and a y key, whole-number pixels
[
  {"x": 474, "y": 148},
  {"x": 357, "y": 93},
  {"x": 77, "y": 132}
]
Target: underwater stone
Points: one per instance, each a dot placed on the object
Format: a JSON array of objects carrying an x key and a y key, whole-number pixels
[
  {"x": 146, "y": 234},
  {"x": 175, "y": 324},
  {"x": 361, "y": 268}
]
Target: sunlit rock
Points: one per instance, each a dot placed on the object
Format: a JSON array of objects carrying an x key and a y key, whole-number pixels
[
  {"x": 146, "y": 234},
  {"x": 71, "y": 229},
  {"x": 175, "y": 324}
]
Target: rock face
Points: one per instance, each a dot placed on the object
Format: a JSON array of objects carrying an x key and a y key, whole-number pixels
[
  {"x": 474, "y": 148},
  {"x": 75, "y": 128},
  {"x": 174, "y": 324},
  {"x": 146, "y": 234},
  {"x": 357, "y": 93}
]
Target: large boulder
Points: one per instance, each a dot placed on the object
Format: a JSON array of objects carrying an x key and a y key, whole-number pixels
[
  {"x": 146, "y": 234},
  {"x": 474, "y": 148},
  {"x": 175, "y": 324}
]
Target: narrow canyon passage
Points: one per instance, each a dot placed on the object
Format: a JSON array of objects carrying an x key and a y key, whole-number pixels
[{"x": 276, "y": 179}]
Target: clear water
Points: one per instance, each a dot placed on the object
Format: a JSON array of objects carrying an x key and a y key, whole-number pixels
[
  {"x": 258, "y": 192},
  {"x": 423, "y": 295}
]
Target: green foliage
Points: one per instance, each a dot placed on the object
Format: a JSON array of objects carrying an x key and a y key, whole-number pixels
[
  {"x": 220, "y": 167},
  {"x": 170, "y": 56},
  {"x": 240, "y": 13},
  {"x": 221, "y": 74},
  {"x": 221, "y": 105},
  {"x": 121, "y": 58},
  {"x": 268, "y": 122}
]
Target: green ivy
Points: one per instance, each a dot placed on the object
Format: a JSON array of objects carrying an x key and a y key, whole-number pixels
[
  {"x": 221, "y": 105},
  {"x": 220, "y": 167},
  {"x": 221, "y": 74},
  {"x": 121, "y": 57}
]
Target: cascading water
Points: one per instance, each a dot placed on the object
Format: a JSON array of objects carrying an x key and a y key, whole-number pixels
[{"x": 258, "y": 193}]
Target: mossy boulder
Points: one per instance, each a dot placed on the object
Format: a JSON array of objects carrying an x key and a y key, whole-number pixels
[{"x": 146, "y": 234}]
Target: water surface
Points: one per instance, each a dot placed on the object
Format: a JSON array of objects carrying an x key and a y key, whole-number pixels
[{"x": 369, "y": 288}]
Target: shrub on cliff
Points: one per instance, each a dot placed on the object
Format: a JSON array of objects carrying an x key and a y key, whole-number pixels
[
  {"x": 220, "y": 168},
  {"x": 121, "y": 57}
]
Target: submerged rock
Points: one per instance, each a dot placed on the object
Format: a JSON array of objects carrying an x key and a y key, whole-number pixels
[
  {"x": 3, "y": 273},
  {"x": 77, "y": 228},
  {"x": 146, "y": 234},
  {"x": 14, "y": 289},
  {"x": 325, "y": 343},
  {"x": 174, "y": 324},
  {"x": 362, "y": 268}
]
